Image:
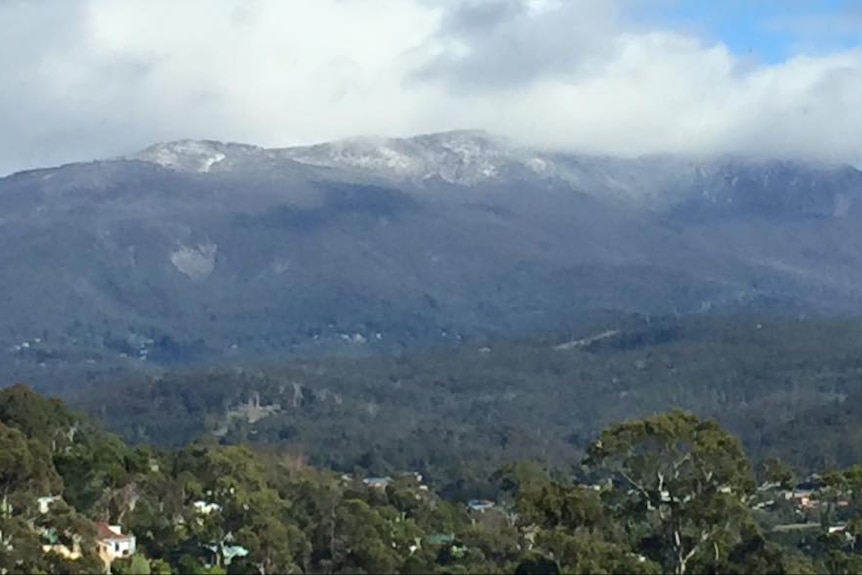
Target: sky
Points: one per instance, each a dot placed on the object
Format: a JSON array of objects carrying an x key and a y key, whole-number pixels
[{"x": 86, "y": 79}]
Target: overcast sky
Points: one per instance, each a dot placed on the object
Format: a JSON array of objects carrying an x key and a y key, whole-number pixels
[{"x": 83, "y": 79}]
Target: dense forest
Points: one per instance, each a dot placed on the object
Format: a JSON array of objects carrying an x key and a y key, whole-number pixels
[
  {"x": 630, "y": 444},
  {"x": 670, "y": 493},
  {"x": 787, "y": 388}
]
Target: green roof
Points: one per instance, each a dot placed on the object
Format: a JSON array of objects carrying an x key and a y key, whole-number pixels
[{"x": 50, "y": 535}]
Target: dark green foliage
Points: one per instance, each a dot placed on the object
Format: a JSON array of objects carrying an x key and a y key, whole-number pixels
[
  {"x": 537, "y": 565},
  {"x": 34, "y": 415},
  {"x": 786, "y": 388},
  {"x": 282, "y": 451}
]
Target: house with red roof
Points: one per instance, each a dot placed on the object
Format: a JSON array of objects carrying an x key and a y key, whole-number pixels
[{"x": 113, "y": 543}]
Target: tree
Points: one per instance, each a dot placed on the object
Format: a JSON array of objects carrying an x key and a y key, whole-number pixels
[
  {"x": 685, "y": 480},
  {"x": 755, "y": 556},
  {"x": 362, "y": 540},
  {"x": 556, "y": 505},
  {"x": 535, "y": 564},
  {"x": 135, "y": 565},
  {"x": 773, "y": 470},
  {"x": 20, "y": 548},
  {"x": 276, "y": 545},
  {"x": 36, "y": 416},
  {"x": 516, "y": 478},
  {"x": 26, "y": 469},
  {"x": 582, "y": 552},
  {"x": 160, "y": 567}
]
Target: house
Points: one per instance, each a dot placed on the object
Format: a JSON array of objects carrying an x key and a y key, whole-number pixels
[
  {"x": 803, "y": 499},
  {"x": 812, "y": 483},
  {"x": 45, "y": 503},
  {"x": 231, "y": 551},
  {"x": 223, "y": 552},
  {"x": 51, "y": 544},
  {"x": 769, "y": 486},
  {"x": 377, "y": 482},
  {"x": 480, "y": 504},
  {"x": 205, "y": 508},
  {"x": 113, "y": 544}
]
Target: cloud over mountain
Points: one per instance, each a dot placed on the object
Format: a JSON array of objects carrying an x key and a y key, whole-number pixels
[{"x": 88, "y": 78}]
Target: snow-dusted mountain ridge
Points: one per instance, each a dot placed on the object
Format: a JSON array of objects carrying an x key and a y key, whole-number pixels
[
  {"x": 461, "y": 157},
  {"x": 473, "y": 157},
  {"x": 193, "y": 155}
]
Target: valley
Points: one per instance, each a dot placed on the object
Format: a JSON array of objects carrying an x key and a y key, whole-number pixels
[{"x": 786, "y": 388}]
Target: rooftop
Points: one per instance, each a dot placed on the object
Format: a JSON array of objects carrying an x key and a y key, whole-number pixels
[{"x": 105, "y": 532}]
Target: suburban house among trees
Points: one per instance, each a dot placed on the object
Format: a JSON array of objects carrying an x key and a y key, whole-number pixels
[{"x": 113, "y": 544}]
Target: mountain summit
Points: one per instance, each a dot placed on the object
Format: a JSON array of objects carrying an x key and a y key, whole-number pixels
[
  {"x": 459, "y": 157},
  {"x": 192, "y": 155}
]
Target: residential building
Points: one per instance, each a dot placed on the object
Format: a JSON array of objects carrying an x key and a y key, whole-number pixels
[{"x": 113, "y": 543}]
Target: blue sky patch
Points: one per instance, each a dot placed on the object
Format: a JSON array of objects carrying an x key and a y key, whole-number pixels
[{"x": 770, "y": 31}]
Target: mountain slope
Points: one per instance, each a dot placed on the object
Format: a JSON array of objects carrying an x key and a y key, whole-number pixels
[{"x": 200, "y": 250}]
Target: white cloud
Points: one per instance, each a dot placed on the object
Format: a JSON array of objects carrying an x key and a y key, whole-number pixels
[{"x": 91, "y": 78}]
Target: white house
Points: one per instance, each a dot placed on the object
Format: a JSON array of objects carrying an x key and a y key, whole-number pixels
[
  {"x": 46, "y": 502},
  {"x": 205, "y": 508},
  {"x": 377, "y": 482},
  {"x": 113, "y": 544}
]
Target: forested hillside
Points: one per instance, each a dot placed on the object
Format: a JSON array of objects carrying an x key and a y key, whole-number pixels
[
  {"x": 671, "y": 493},
  {"x": 457, "y": 411},
  {"x": 201, "y": 252}
]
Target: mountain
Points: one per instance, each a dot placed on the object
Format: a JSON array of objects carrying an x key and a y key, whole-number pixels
[{"x": 207, "y": 251}]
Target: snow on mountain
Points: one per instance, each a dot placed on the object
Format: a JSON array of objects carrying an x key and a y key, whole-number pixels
[
  {"x": 460, "y": 157},
  {"x": 469, "y": 158},
  {"x": 192, "y": 155}
]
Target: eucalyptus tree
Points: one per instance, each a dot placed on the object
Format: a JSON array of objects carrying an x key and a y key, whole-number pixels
[{"x": 681, "y": 487}]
